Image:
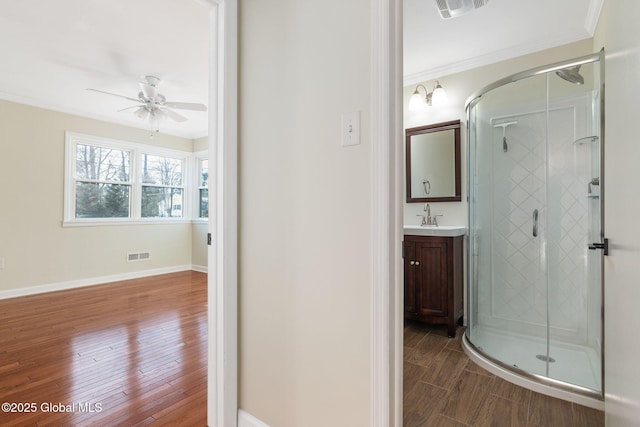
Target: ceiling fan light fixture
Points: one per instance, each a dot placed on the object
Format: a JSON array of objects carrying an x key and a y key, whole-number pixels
[
  {"x": 142, "y": 113},
  {"x": 153, "y": 106}
]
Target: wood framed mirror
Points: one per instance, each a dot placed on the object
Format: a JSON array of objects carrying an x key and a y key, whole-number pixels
[{"x": 433, "y": 163}]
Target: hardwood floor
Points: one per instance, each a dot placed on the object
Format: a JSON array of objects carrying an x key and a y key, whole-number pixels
[
  {"x": 443, "y": 388},
  {"x": 126, "y": 353}
]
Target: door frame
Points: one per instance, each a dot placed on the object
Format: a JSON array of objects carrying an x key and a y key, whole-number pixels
[
  {"x": 386, "y": 303},
  {"x": 222, "y": 293}
]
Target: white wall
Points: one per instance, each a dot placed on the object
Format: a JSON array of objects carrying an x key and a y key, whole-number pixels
[
  {"x": 460, "y": 87},
  {"x": 618, "y": 32},
  {"x": 304, "y": 213},
  {"x": 201, "y": 144},
  {"x": 37, "y": 249}
]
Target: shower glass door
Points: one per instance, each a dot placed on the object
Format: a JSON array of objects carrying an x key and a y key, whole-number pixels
[
  {"x": 511, "y": 208},
  {"x": 535, "y": 289},
  {"x": 573, "y": 224}
]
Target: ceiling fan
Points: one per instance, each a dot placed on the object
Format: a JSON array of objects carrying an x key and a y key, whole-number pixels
[{"x": 153, "y": 106}]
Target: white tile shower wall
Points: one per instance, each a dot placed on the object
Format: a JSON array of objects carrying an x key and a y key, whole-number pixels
[
  {"x": 519, "y": 288},
  {"x": 517, "y": 298},
  {"x": 569, "y": 222}
]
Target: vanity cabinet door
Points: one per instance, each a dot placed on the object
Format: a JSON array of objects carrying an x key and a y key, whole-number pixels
[
  {"x": 411, "y": 277},
  {"x": 431, "y": 295},
  {"x": 433, "y": 279}
]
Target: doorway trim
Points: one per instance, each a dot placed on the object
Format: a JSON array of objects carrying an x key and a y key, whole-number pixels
[
  {"x": 386, "y": 214},
  {"x": 222, "y": 293}
]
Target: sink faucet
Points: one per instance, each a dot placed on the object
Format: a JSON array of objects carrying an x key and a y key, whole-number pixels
[
  {"x": 424, "y": 221},
  {"x": 435, "y": 220},
  {"x": 427, "y": 209}
]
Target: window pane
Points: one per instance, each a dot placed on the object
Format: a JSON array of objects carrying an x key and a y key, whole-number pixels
[
  {"x": 161, "y": 170},
  {"x": 204, "y": 173},
  {"x": 96, "y": 200},
  {"x": 102, "y": 164},
  {"x": 204, "y": 203},
  {"x": 161, "y": 202}
]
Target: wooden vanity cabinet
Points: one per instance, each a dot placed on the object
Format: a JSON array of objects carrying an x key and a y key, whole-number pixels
[{"x": 433, "y": 279}]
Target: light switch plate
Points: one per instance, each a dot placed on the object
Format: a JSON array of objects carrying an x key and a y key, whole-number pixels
[{"x": 351, "y": 129}]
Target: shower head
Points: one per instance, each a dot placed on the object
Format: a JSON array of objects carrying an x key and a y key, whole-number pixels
[{"x": 572, "y": 75}]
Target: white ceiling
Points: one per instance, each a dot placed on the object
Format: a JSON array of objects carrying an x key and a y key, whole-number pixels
[
  {"x": 502, "y": 29},
  {"x": 53, "y": 50}
]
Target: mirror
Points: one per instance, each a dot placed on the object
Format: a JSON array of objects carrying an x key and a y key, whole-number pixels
[{"x": 433, "y": 163}]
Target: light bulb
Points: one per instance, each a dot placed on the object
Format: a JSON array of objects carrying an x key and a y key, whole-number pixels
[
  {"x": 416, "y": 102},
  {"x": 439, "y": 96}
]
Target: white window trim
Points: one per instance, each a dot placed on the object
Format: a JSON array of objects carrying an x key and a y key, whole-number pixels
[
  {"x": 198, "y": 157},
  {"x": 189, "y": 177}
]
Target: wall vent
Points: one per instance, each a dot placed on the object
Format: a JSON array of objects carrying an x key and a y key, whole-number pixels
[
  {"x": 453, "y": 8},
  {"x": 138, "y": 256}
]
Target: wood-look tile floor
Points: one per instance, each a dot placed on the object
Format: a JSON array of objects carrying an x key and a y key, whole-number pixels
[
  {"x": 444, "y": 388},
  {"x": 121, "y": 354}
]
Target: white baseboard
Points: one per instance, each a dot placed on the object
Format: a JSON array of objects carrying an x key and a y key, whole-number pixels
[
  {"x": 245, "y": 419},
  {"x": 200, "y": 268},
  {"x": 60, "y": 286}
]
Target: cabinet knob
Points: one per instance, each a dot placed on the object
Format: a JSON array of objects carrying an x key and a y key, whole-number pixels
[
  {"x": 412, "y": 263},
  {"x": 417, "y": 262}
]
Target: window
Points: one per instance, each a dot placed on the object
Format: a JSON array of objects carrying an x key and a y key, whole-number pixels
[
  {"x": 102, "y": 182},
  {"x": 203, "y": 188},
  {"x": 162, "y": 189},
  {"x": 109, "y": 181}
]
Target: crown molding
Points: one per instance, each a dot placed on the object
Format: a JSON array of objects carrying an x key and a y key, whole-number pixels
[
  {"x": 593, "y": 15},
  {"x": 490, "y": 58}
]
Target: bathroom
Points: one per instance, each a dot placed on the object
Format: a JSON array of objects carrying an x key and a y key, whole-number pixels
[{"x": 423, "y": 208}]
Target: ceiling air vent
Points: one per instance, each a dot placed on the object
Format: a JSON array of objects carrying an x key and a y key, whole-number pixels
[{"x": 454, "y": 8}]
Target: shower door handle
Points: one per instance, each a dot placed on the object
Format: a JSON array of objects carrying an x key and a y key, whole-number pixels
[
  {"x": 535, "y": 223},
  {"x": 604, "y": 246}
]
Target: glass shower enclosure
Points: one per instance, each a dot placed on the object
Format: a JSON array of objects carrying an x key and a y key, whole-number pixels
[{"x": 536, "y": 241}]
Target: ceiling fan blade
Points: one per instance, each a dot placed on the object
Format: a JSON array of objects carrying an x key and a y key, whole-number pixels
[
  {"x": 186, "y": 106},
  {"x": 129, "y": 108},
  {"x": 173, "y": 115},
  {"x": 114, "y": 94},
  {"x": 149, "y": 91}
]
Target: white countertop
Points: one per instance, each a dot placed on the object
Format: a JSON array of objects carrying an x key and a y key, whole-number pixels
[{"x": 430, "y": 230}]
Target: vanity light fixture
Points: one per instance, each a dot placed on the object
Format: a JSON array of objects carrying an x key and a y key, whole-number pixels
[{"x": 436, "y": 98}]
